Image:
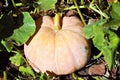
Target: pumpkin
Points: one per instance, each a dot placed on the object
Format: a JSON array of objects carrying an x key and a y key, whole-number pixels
[{"x": 58, "y": 50}]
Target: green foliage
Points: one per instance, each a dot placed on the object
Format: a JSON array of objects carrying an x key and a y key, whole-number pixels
[
  {"x": 27, "y": 28},
  {"x": 103, "y": 36},
  {"x": 103, "y": 39},
  {"x": 17, "y": 59},
  {"x": 26, "y": 71},
  {"x": 46, "y": 4},
  {"x": 114, "y": 39},
  {"x": 18, "y": 33},
  {"x": 7, "y": 44},
  {"x": 43, "y": 76},
  {"x": 115, "y": 14},
  {"x": 114, "y": 24},
  {"x": 9, "y": 32}
]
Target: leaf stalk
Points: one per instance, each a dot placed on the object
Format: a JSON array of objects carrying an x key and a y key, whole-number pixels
[
  {"x": 79, "y": 12},
  {"x": 13, "y": 2}
]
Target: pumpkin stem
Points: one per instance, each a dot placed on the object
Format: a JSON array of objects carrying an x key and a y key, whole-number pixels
[{"x": 57, "y": 22}]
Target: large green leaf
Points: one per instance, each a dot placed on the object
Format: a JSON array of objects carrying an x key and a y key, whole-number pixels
[
  {"x": 47, "y": 4},
  {"x": 27, "y": 28}
]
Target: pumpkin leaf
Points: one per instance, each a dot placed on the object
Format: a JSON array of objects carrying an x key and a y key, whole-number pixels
[
  {"x": 26, "y": 71},
  {"x": 114, "y": 39},
  {"x": 98, "y": 39},
  {"x": 88, "y": 29},
  {"x": 108, "y": 51},
  {"x": 8, "y": 45},
  {"x": 17, "y": 59},
  {"x": 43, "y": 76},
  {"x": 108, "y": 56},
  {"x": 27, "y": 28},
  {"x": 115, "y": 14},
  {"x": 46, "y": 4},
  {"x": 114, "y": 24},
  {"x": 104, "y": 39}
]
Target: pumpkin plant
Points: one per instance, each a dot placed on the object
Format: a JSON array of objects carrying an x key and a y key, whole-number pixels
[{"x": 58, "y": 46}]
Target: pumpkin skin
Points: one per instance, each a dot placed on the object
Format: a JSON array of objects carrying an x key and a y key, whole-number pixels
[{"x": 61, "y": 52}]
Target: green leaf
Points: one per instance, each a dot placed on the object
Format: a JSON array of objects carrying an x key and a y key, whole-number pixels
[
  {"x": 88, "y": 29},
  {"x": 43, "y": 76},
  {"x": 17, "y": 59},
  {"x": 98, "y": 40},
  {"x": 114, "y": 40},
  {"x": 27, "y": 28},
  {"x": 26, "y": 71},
  {"x": 108, "y": 56},
  {"x": 109, "y": 50},
  {"x": 8, "y": 45},
  {"x": 6, "y": 30},
  {"x": 47, "y": 4},
  {"x": 115, "y": 13},
  {"x": 114, "y": 24}
]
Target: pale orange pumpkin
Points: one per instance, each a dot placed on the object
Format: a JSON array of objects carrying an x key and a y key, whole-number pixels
[{"x": 60, "y": 52}]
